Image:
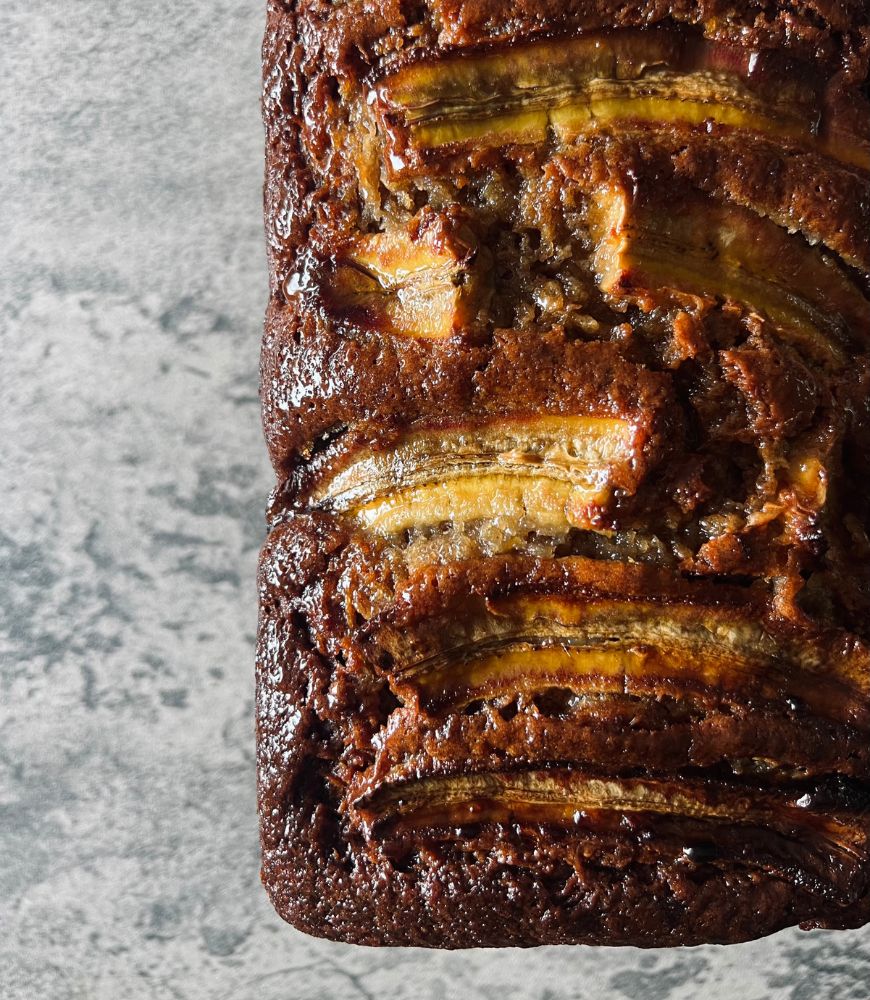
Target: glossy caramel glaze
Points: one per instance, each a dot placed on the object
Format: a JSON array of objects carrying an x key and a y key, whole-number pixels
[{"x": 564, "y": 605}]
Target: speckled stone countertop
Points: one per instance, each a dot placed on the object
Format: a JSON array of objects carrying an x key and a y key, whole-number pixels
[{"x": 132, "y": 483}]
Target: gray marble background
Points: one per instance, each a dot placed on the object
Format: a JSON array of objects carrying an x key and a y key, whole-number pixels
[{"x": 132, "y": 484}]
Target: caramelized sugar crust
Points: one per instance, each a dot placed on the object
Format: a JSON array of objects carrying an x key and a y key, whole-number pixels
[{"x": 564, "y": 605}]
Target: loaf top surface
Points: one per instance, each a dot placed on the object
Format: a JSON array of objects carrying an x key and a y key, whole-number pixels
[{"x": 565, "y": 602}]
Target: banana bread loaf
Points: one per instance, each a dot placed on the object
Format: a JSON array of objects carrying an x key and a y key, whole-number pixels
[{"x": 565, "y": 605}]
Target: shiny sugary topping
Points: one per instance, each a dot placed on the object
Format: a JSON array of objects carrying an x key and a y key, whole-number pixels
[
  {"x": 560, "y": 658},
  {"x": 633, "y": 647},
  {"x": 566, "y": 86},
  {"x": 638, "y": 669}
]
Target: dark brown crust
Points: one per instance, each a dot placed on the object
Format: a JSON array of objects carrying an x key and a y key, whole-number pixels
[
  {"x": 320, "y": 880},
  {"x": 809, "y": 30},
  {"x": 400, "y": 382},
  {"x": 308, "y": 190},
  {"x": 750, "y": 479}
]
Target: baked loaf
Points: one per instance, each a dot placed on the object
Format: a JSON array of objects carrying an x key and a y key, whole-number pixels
[{"x": 564, "y": 606}]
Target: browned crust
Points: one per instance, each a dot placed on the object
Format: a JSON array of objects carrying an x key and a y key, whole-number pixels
[
  {"x": 809, "y": 30},
  {"x": 332, "y": 718},
  {"x": 317, "y": 381},
  {"x": 321, "y": 879},
  {"x": 330, "y": 727},
  {"x": 312, "y": 193}
]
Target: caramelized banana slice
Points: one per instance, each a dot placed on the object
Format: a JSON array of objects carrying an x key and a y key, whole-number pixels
[
  {"x": 651, "y": 250},
  {"x": 417, "y": 287},
  {"x": 552, "y": 473},
  {"x": 564, "y": 797},
  {"x": 699, "y": 628},
  {"x": 527, "y": 644},
  {"x": 570, "y": 85},
  {"x": 640, "y": 670}
]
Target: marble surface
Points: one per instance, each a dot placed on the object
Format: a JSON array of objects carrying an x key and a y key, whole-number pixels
[{"x": 132, "y": 483}]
